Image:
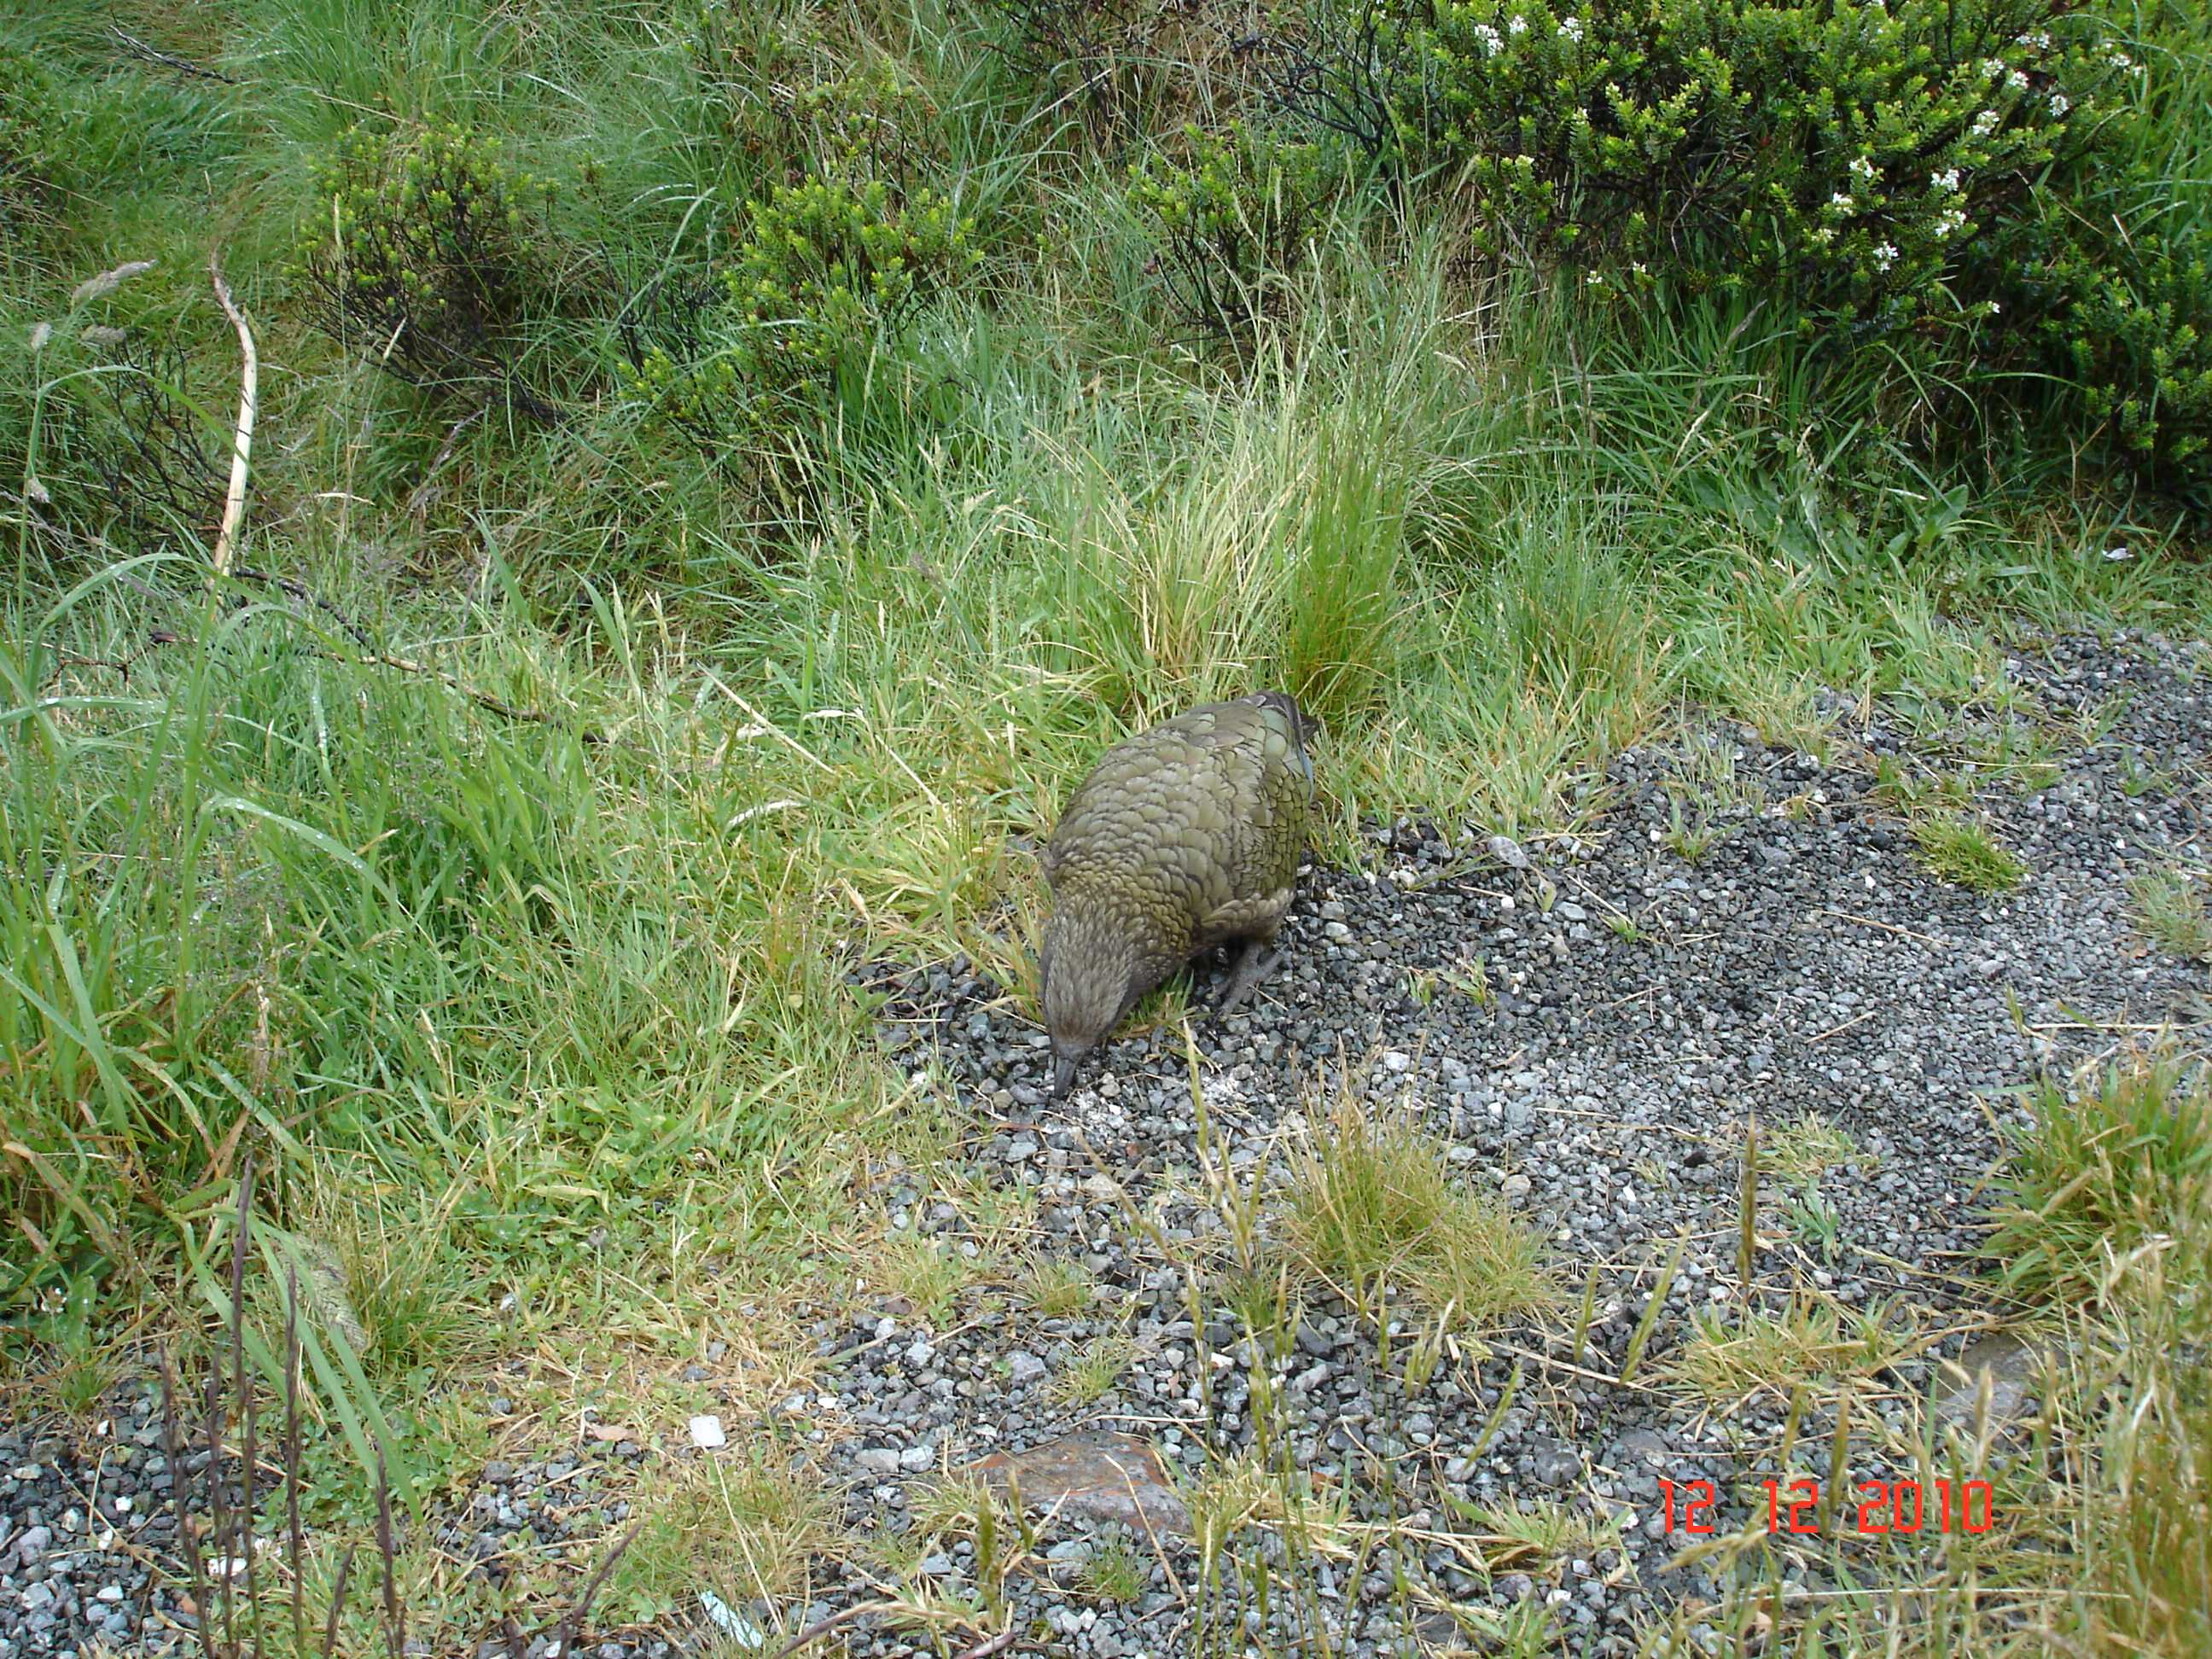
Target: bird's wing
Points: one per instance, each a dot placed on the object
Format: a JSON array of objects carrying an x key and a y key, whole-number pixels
[{"x": 1259, "y": 914}]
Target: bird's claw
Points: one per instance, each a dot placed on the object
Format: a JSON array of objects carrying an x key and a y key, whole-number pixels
[{"x": 1243, "y": 981}]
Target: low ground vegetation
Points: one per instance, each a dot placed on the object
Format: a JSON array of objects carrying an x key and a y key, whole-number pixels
[{"x": 721, "y": 471}]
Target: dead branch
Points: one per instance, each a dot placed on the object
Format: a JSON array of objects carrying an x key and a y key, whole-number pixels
[
  {"x": 233, "y": 506},
  {"x": 168, "y": 60}
]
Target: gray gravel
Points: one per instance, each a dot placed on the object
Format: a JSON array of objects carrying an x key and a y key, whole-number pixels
[{"x": 1806, "y": 965}]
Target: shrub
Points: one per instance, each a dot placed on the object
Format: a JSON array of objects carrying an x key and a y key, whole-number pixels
[
  {"x": 103, "y": 424},
  {"x": 786, "y": 117},
  {"x": 1230, "y": 220},
  {"x": 1852, "y": 151},
  {"x": 831, "y": 258},
  {"x": 2106, "y": 269},
  {"x": 443, "y": 257},
  {"x": 1906, "y": 172},
  {"x": 825, "y": 269}
]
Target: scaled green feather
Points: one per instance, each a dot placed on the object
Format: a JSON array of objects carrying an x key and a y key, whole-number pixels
[{"x": 1185, "y": 837}]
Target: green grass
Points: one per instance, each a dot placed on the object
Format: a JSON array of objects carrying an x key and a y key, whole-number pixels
[
  {"x": 1370, "y": 1208},
  {"x": 494, "y": 886},
  {"x": 1963, "y": 851},
  {"x": 2171, "y": 911}
]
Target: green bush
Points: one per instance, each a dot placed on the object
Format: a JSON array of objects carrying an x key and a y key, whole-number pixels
[
  {"x": 832, "y": 254},
  {"x": 1851, "y": 151},
  {"x": 1230, "y": 219},
  {"x": 826, "y": 270},
  {"x": 442, "y": 258},
  {"x": 2106, "y": 268},
  {"x": 1942, "y": 175},
  {"x": 786, "y": 117}
]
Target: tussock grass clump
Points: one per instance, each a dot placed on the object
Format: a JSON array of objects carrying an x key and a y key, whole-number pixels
[
  {"x": 1371, "y": 1208},
  {"x": 2107, "y": 1220},
  {"x": 1811, "y": 1340},
  {"x": 1963, "y": 850},
  {"x": 34, "y": 142},
  {"x": 2098, "y": 1175},
  {"x": 1808, "y": 1145},
  {"x": 758, "y": 1516},
  {"x": 2171, "y": 910},
  {"x": 1056, "y": 1287}
]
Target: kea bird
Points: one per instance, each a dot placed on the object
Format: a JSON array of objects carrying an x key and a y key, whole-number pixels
[{"x": 1182, "y": 838}]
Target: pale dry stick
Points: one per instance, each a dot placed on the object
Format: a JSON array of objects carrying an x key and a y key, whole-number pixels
[
  {"x": 1838, "y": 1030},
  {"x": 168, "y": 60},
  {"x": 1886, "y": 927},
  {"x": 838, "y": 1620},
  {"x": 249, "y": 379}
]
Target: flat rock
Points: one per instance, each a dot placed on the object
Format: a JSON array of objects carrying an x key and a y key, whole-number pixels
[
  {"x": 2015, "y": 1368},
  {"x": 1094, "y": 1475}
]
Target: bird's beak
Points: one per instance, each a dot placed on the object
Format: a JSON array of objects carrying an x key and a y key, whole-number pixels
[{"x": 1063, "y": 1073}]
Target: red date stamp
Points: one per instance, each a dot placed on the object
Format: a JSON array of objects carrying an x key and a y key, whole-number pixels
[{"x": 1882, "y": 1506}]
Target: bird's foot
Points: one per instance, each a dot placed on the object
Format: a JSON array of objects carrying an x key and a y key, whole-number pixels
[{"x": 1253, "y": 966}]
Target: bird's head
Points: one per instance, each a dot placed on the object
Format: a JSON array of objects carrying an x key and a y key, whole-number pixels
[{"x": 1087, "y": 970}]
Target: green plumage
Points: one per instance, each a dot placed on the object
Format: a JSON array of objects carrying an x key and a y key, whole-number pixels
[{"x": 1185, "y": 837}]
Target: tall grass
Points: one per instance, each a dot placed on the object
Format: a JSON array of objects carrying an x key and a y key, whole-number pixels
[{"x": 495, "y": 885}]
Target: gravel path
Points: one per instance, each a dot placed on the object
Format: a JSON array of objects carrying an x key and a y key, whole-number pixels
[{"x": 1639, "y": 1007}]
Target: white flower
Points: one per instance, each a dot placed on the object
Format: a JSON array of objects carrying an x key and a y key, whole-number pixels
[
  {"x": 1863, "y": 167},
  {"x": 1824, "y": 235},
  {"x": 2039, "y": 40},
  {"x": 1947, "y": 179},
  {"x": 1572, "y": 29},
  {"x": 1487, "y": 37},
  {"x": 2059, "y": 104},
  {"x": 1640, "y": 268},
  {"x": 1986, "y": 123},
  {"x": 1885, "y": 256},
  {"x": 2016, "y": 81},
  {"x": 1995, "y": 308},
  {"x": 1993, "y": 69},
  {"x": 1947, "y": 224},
  {"x": 1841, "y": 202},
  {"x": 2118, "y": 59},
  {"x": 1518, "y": 25},
  {"x": 1596, "y": 279}
]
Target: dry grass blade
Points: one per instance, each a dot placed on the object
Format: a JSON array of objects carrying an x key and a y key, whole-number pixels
[
  {"x": 1650, "y": 1320},
  {"x": 1746, "y": 1203}
]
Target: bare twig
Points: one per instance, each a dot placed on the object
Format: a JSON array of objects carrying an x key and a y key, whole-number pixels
[
  {"x": 337, "y": 1602},
  {"x": 300, "y": 591},
  {"x": 173, "y": 1450},
  {"x": 168, "y": 60},
  {"x": 292, "y": 1456},
  {"x": 573, "y": 1620},
  {"x": 838, "y": 1620},
  {"x": 370, "y": 657},
  {"x": 241, "y": 1389},
  {"x": 233, "y": 506},
  {"x": 395, "y": 1618}
]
